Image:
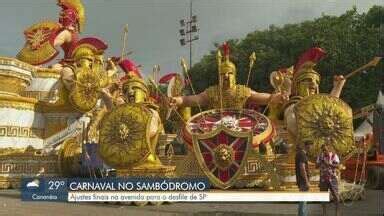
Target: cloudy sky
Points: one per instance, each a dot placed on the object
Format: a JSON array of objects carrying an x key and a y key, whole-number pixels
[{"x": 153, "y": 24}]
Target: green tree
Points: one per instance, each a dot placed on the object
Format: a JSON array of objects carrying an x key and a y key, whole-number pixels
[{"x": 350, "y": 41}]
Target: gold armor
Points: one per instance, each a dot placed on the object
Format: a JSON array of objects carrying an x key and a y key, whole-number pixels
[
  {"x": 235, "y": 97},
  {"x": 227, "y": 94}
]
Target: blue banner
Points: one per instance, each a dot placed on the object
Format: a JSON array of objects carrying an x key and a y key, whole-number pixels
[{"x": 56, "y": 189}]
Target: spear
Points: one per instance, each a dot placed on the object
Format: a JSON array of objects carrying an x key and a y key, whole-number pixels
[
  {"x": 372, "y": 63},
  {"x": 185, "y": 70},
  {"x": 124, "y": 40},
  {"x": 252, "y": 59}
]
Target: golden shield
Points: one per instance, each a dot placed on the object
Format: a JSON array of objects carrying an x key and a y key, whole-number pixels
[
  {"x": 324, "y": 119},
  {"x": 86, "y": 90},
  {"x": 124, "y": 136},
  {"x": 221, "y": 154},
  {"x": 38, "y": 48},
  {"x": 69, "y": 157}
]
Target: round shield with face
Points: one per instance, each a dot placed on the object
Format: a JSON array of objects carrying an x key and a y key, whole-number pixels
[
  {"x": 124, "y": 136},
  {"x": 324, "y": 119}
]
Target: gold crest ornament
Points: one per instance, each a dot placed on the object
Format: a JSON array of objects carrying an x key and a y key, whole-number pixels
[
  {"x": 38, "y": 48},
  {"x": 324, "y": 119},
  {"x": 124, "y": 136}
]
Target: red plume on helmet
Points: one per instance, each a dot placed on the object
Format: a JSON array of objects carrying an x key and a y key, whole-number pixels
[
  {"x": 97, "y": 45},
  {"x": 166, "y": 78},
  {"x": 311, "y": 56},
  {"x": 129, "y": 67},
  {"x": 226, "y": 49},
  {"x": 68, "y": 15},
  {"x": 72, "y": 14}
]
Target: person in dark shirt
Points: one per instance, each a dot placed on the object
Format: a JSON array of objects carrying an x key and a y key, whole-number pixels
[{"x": 302, "y": 172}]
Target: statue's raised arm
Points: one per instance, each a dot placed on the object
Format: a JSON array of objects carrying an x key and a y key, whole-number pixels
[{"x": 227, "y": 94}]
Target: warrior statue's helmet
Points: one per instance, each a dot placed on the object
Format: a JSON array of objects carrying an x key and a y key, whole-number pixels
[
  {"x": 134, "y": 88},
  {"x": 227, "y": 70},
  {"x": 88, "y": 52},
  {"x": 305, "y": 79},
  {"x": 72, "y": 14}
]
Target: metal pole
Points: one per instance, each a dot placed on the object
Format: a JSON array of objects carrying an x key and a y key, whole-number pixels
[{"x": 190, "y": 34}]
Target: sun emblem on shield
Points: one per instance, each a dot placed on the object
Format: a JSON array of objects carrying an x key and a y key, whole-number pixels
[
  {"x": 38, "y": 37},
  {"x": 325, "y": 120}
]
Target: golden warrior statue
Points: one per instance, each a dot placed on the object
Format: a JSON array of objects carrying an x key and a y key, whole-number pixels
[
  {"x": 306, "y": 82},
  {"x": 227, "y": 94},
  {"x": 130, "y": 131},
  {"x": 43, "y": 38},
  {"x": 321, "y": 118}
]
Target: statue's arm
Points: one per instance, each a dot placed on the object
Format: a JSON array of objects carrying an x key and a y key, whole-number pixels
[
  {"x": 267, "y": 98},
  {"x": 338, "y": 84},
  {"x": 191, "y": 100},
  {"x": 260, "y": 98},
  {"x": 67, "y": 76},
  {"x": 64, "y": 36},
  {"x": 290, "y": 119}
]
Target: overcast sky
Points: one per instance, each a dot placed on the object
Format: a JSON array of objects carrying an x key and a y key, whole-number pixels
[{"x": 154, "y": 24}]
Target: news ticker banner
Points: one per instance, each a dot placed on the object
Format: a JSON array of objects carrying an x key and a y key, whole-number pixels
[{"x": 149, "y": 189}]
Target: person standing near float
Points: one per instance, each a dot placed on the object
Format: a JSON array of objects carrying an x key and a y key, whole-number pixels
[
  {"x": 328, "y": 162},
  {"x": 302, "y": 173}
]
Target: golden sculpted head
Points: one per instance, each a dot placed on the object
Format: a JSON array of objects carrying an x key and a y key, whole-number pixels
[
  {"x": 135, "y": 90},
  {"x": 305, "y": 79},
  {"x": 306, "y": 82},
  {"x": 88, "y": 53},
  {"x": 227, "y": 70},
  {"x": 223, "y": 155},
  {"x": 84, "y": 57}
]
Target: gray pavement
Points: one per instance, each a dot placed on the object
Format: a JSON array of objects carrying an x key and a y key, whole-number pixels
[{"x": 11, "y": 204}]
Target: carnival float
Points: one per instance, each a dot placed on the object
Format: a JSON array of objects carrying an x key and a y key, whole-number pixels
[{"x": 92, "y": 116}]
